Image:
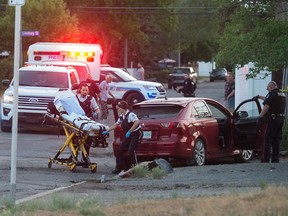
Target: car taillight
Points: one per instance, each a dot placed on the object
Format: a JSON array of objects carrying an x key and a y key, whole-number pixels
[{"x": 172, "y": 125}]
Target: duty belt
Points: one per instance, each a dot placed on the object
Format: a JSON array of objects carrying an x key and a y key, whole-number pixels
[{"x": 277, "y": 115}]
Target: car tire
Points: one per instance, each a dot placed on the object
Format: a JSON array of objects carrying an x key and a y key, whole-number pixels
[
  {"x": 211, "y": 80},
  {"x": 199, "y": 154},
  {"x": 5, "y": 128},
  {"x": 244, "y": 156},
  {"x": 134, "y": 98}
]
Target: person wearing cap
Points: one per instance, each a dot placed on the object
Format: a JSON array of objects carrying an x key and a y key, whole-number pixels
[
  {"x": 133, "y": 135},
  {"x": 189, "y": 86}
]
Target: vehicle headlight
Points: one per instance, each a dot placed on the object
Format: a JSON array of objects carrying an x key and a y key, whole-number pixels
[
  {"x": 150, "y": 88},
  {"x": 8, "y": 99}
]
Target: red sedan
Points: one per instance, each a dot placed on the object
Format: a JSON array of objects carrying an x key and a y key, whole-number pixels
[{"x": 195, "y": 130}]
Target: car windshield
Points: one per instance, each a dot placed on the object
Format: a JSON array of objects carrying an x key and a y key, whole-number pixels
[
  {"x": 43, "y": 79},
  {"x": 181, "y": 71},
  {"x": 81, "y": 70},
  {"x": 118, "y": 75},
  {"x": 157, "y": 111}
]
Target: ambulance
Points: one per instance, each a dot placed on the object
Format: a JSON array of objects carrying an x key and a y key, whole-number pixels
[{"x": 85, "y": 58}]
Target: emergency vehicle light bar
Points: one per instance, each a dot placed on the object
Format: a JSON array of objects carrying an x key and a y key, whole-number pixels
[
  {"x": 89, "y": 54},
  {"x": 46, "y": 53}
]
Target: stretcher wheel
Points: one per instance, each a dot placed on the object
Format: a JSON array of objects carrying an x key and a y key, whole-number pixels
[
  {"x": 93, "y": 168},
  {"x": 72, "y": 167},
  {"x": 49, "y": 164}
]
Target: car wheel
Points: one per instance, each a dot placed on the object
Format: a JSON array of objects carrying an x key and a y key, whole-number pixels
[
  {"x": 244, "y": 156},
  {"x": 211, "y": 80},
  {"x": 5, "y": 128},
  {"x": 199, "y": 154},
  {"x": 134, "y": 98}
]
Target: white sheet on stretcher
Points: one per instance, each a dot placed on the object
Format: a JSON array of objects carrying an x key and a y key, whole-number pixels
[
  {"x": 67, "y": 101},
  {"x": 84, "y": 123}
]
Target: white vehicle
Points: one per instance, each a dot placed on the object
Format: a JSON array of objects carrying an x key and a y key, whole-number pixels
[
  {"x": 126, "y": 87},
  {"x": 38, "y": 86},
  {"x": 85, "y": 58}
]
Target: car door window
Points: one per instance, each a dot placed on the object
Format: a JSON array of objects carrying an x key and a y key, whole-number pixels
[
  {"x": 247, "y": 110},
  {"x": 200, "y": 110}
]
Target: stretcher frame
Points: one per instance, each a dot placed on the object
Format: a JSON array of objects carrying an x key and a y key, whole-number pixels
[{"x": 75, "y": 142}]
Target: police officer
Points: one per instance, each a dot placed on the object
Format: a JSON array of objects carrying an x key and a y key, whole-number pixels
[
  {"x": 91, "y": 109},
  {"x": 87, "y": 102},
  {"x": 189, "y": 86},
  {"x": 273, "y": 113},
  {"x": 133, "y": 135},
  {"x": 94, "y": 90}
]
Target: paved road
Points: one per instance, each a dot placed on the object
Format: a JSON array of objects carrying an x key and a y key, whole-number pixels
[{"x": 36, "y": 145}]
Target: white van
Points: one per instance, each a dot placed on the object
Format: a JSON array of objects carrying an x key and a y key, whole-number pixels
[
  {"x": 85, "y": 58},
  {"x": 38, "y": 86}
]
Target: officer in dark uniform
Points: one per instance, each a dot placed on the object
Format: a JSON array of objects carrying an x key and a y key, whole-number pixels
[
  {"x": 133, "y": 136},
  {"x": 90, "y": 107},
  {"x": 94, "y": 90},
  {"x": 189, "y": 86},
  {"x": 273, "y": 114}
]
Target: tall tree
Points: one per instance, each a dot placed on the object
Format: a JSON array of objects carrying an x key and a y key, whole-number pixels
[
  {"x": 50, "y": 18},
  {"x": 143, "y": 24},
  {"x": 255, "y": 34},
  {"x": 197, "y": 32}
]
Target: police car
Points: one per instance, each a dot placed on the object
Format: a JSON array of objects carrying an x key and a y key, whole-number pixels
[{"x": 126, "y": 87}]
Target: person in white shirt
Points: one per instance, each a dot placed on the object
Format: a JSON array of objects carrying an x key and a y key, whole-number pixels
[
  {"x": 140, "y": 72},
  {"x": 104, "y": 92}
]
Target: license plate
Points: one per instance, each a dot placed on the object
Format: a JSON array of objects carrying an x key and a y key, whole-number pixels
[{"x": 147, "y": 134}]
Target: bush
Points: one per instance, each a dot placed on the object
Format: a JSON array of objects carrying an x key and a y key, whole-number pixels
[{"x": 6, "y": 68}]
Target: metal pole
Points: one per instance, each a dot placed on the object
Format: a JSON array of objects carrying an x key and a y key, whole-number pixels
[
  {"x": 179, "y": 53},
  {"x": 126, "y": 54},
  {"x": 15, "y": 105}
]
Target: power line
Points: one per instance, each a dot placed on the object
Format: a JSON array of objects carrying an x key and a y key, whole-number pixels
[{"x": 146, "y": 10}]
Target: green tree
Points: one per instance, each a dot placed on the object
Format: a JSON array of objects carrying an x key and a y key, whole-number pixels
[
  {"x": 144, "y": 24},
  {"x": 50, "y": 18},
  {"x": 196, "y": 36},
  {"x": 254, "y": 33}
]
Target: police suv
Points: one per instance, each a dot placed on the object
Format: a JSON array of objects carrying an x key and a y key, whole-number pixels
[
  {"x": 38, "y": 85},
  {"x": 126, "y": 87}
]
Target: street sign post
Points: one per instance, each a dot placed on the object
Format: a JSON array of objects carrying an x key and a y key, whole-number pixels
[{"x": 17, "y": 4}]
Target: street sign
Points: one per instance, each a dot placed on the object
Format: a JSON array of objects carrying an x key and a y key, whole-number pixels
[
  {"x": 16, "y": 2},
  {"x": 30, "y": 33}
]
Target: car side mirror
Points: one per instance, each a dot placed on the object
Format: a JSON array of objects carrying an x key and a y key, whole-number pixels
[
  {"x": 242, "y": 114},
  {"x": 5, "y": 82}
]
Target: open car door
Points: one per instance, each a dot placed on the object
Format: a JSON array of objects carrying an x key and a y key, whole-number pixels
[{"x": 247, "y": 127}]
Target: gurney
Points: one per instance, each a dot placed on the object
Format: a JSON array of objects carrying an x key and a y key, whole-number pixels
[{"x": 79, "y": 131}]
